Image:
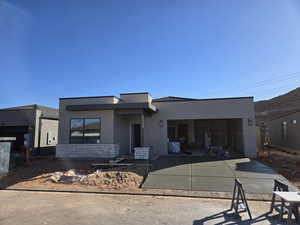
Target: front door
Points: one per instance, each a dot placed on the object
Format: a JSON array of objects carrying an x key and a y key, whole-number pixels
[{"x": 135, "y": 135}]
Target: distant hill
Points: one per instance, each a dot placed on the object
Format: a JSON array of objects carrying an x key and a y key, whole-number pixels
[{"x": 278, "y": 106}]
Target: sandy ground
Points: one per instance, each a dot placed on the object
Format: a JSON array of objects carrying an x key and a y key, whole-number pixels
[
  {"x": 37, "y": 208},
  {"x": 284, "y": 163},
  {"x": 38, "y": 174}
]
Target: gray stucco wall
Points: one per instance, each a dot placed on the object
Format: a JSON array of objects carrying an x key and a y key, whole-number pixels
[
  {"x": 156, "y": 136},
  {"x": 292, "y": 131}
]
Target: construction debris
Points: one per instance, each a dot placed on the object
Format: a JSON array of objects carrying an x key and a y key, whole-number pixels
[{"x": 103, "y": 179}]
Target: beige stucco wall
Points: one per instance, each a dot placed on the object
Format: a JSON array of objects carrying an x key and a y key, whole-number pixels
[
  {"x": 143, "y": 97},
  {"x": 292, "y": 132},
  {"x": 107, "y": 120},
  {"x": 156, "y": 136},
  {"x": 48, "y": 127},
  {"x": 121, "y": 134}
]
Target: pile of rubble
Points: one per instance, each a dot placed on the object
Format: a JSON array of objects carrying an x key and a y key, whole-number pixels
[{"x": 99, "y": 178}]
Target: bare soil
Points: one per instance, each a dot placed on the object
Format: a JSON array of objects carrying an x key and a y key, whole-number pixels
[
  {"x": 38, "y": 176},
  {"x": 285, "y": 163}
]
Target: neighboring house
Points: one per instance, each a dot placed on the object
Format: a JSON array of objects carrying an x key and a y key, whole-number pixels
[
  {"x": 36, "y": 124},
  {"x": 284, "y": 130},
  {"x": 109, "y": 126}
]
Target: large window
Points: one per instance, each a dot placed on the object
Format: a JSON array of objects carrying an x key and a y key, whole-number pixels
[{"x": 85, "y": 131}]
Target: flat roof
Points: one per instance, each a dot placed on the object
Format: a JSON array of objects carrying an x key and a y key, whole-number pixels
[
  {"x": 199, "y": 99},
  {"x": 108, "y": 96},
  {"x": 136, "y": 93},
  {"x": 163, "y": 99},
  {"x": 26, "y": 107}
]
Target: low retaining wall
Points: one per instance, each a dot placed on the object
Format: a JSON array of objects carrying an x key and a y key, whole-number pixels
[{"x": 87, "y": 150}]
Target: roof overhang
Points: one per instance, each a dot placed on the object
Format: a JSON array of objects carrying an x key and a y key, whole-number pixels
[{"x": 148, "y": 107}]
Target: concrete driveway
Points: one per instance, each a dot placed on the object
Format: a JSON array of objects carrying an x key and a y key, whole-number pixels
[
  {"x": 195, "y": 174},
  {"x": 40, "y": 208}
]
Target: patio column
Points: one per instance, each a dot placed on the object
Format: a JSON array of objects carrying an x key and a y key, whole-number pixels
[
  {"x": 142, "y": 129},
  {"x": 191, "y": 130}
]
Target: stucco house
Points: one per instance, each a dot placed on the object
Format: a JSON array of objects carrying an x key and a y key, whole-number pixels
[
  {"x": 36, "y": 124},
  {"x": 110, "y": 126},
  {"x": 284, "y": 130}
]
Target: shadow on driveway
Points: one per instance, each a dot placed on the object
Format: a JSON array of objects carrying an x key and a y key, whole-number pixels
[{"x": 228, "y": 217}]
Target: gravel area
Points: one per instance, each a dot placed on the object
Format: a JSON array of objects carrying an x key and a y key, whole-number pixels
[{"x": 285, "y": 164}]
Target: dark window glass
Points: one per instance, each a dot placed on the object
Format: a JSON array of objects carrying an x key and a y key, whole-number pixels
[
  {"x": 92, "y": 131},
  {"x": 85, "y": 131},
  {"x": 76, "y": 136}
]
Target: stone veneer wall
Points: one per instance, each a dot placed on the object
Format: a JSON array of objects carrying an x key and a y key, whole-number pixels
[{"x": 87, "y": 150}]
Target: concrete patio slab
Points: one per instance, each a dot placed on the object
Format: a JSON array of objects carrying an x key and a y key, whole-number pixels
[
  {"x": 209, "y": 164},
  {"x": 188, "y": 173},
  {"x": 246, "y": 165},
  {"x": 263, "y": 186},
  {"x": 201, "y": 171},
  {"x": 182, "y": 170},
  {"x": 168, "y": 182},
  {"x": 219, "y": 184},
  {"x": 258, "y": 175}
]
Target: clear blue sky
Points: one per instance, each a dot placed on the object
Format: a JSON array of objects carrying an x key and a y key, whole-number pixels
[{"x": 209, "y": 48}]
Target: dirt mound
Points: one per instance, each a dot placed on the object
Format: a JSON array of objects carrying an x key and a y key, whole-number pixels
[{"x": 101, "y": 179}]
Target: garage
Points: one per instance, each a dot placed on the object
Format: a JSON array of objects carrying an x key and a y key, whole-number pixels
[
  {"x": 17, "y": 132},
  {"x": 205, "y": 136}
]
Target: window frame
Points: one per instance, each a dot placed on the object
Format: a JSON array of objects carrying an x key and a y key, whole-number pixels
[{"x": 83, "y": 130}]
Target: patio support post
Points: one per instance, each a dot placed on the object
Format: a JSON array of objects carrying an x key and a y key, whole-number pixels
[{"x": 142, "y": 129}]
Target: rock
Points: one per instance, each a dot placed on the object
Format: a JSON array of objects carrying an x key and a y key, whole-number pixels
[
  {"x": 98, "y": 172},
  {"x": 81, "y": 178},
  {"x": 55, "y": 177},
  {"x": 70, "y": 173},
  {"x": 58, "y": 173},
  {"x": 65, "y": 179}
]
